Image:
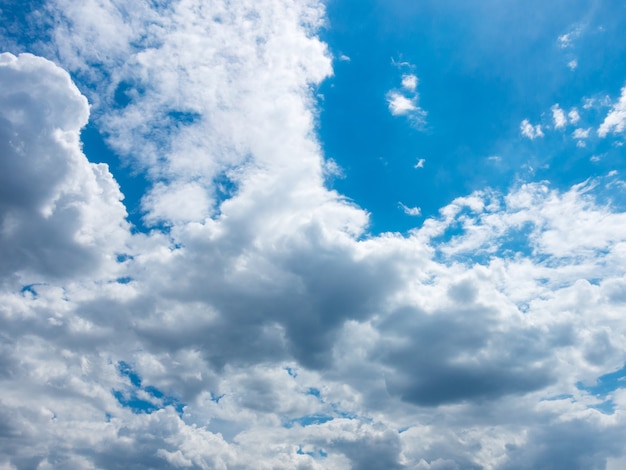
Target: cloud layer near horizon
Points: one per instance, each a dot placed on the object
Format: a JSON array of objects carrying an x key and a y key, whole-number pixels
[{"x": 262, "y": 326}]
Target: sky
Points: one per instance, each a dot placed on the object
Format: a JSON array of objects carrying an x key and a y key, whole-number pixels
[{"x": 306, "y": 234}]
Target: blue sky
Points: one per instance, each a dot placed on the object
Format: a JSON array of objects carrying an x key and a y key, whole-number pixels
[
  {"x": 307, "y": 234},
  {"x": 482, "y": 70}
]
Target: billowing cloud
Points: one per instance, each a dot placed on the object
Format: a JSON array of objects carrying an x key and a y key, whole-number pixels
[
  {"x": 60, "y": 214},
  {"x": 258, "y": 324}
]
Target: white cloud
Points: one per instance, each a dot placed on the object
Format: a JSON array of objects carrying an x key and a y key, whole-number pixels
[
  {"x": 566, "y": 40},
  {"x": 420, "y": 163},
  {"x": 573, "y": 116},
  {"x": 581, "y": 133},
  {"x": 615, "y": 121},
  {"x": 409, "y": 82},
  {"x": 405, "y": 103},
  {"x": 400, "y": 105},
  {"x": 72, "y": 217},
  {"x": 558, "y": 116},
  {"x": 573, "y": 64},
  {"x": 413, "y": 211},
  {"x": 530, "y": 131}
]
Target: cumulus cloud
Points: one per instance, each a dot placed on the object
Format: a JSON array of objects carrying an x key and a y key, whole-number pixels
[
  {"x": 530, "y": 131},
  {"x": 70, "y": 219},
  {"x": 259, "y": 324}
]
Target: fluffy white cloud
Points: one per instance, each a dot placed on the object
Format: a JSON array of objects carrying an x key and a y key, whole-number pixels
[
  {"x": 400, "y": 105},
  {"x": 615, "y": 121},
  {"x": 581, "y": 133},
  {"x": 530, "y": 131},
  {"x": 60, "y": 215},
  {"x": 409, "y": 82},
  {"x": 263, "y": 327}
]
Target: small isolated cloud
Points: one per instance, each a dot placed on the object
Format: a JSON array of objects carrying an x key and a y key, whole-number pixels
[
  {"x": 572, "y": 64},
  {"x": 401, "y": 105},
  {"x": 344, "y": 58},
  {"x": 404, "y": 102},
  {"x": 581, "y": 133},
  {"x": 420, "y": 163},
  {"x": 615, "y": 121},
  {"x": 530, "y": 131},
  {"x": 413, "y": 211},
  {"x": 409, "y": 82},
  {"x": 558, "y": 116},
  {"x": 573, "y": 116},
  {"x": 566, "y": 40},
  {"x": 494, "y": 158}
]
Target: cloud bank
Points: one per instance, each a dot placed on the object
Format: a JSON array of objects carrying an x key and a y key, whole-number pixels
[{"x": 262, "y": 326}]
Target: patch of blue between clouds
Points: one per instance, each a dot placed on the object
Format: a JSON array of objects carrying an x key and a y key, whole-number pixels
[
  {"x": 29, "y": 289},
  {"x": 315, "y": 392},
  {"x": 216, "y": 398},
  {"x": 123, "y": 257},
  {"x": 291, "y": 371},
  {"x": 122, "y": 96},
  {"x": 605, "y": 385},
  {"x": 133, "y": 184},
  {"x": 130, "y": 399},
  {"x": 308, "y": 420},
  {"x": 225, "y": 188},
  {"x": 319, "y": 453}
]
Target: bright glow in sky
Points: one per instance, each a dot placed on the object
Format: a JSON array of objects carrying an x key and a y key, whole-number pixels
[{"x": 343, "y": 234}]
